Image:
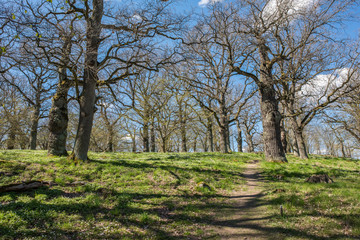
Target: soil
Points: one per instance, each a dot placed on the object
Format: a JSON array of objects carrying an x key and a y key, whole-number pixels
[{"x": 245, "y": 217}]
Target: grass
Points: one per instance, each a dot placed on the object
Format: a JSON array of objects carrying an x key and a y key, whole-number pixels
[
  {"x": 126, "y": 195},
  {"x": 172, "y": 196},
  {"x": 314, "y": 211}
]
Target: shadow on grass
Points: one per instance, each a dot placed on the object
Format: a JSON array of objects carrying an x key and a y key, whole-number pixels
[
  {"x": 41, "y": 221},
  {"x": 167, "y": 167}
]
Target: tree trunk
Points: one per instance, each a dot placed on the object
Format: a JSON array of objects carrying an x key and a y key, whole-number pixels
[
  {"x": 110, "y": 139},
  {"x": 301, "y": 143},
  {"x": 271, "y": 116},
  {"x": 164, "y": 145},
  {"x": 195, "y": 144},
  {"x": 210, "y": 133},
  {"x": 283, "y": 139},
  {"x": 88, "y": 98},
  {"x": 271, "y": 126},
  {"x": 223, "y": 145},
  {"x": 239, "y": 136},
  {"x": 34, "y": 127},
  {"x": 228, "y": 143},
  {"x": 145, "y": 136},
  {"x": 183, "y": 136},
  {"x": 58, "y": 118},
  {"x": 58, "y": 115},
  {"x": 11, "y": 139},
  {"x": 153, "y": 138},
  {"x": 205, "y": 143},
  {"x": 134, "y": 144}
]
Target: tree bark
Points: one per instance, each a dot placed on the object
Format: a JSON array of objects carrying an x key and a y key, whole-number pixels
[
  {"x": 58, "y": 119},
  {"x": 301, "y": 144},
  {"x": 223, "y": 145},
  {"x": 58, "y": 115},
  {"x": 110, "y": 139},
  {"x": 195, "y": 144},
  {"x": 11, "y": 139},
  {"x": 152, "y": 137},
  {"x": 34, "y": 126},
  {"x": 134, "y": 144},
  {"x": 228, "y": 143},
  {"x": 164, "y": 145},
  {"x": 145, "y": 136},
  {"x": 88, "y": 98},
  {"x": 183, "y": 135},
  {"x": 283, "y": 139},
  {"x": 271, "y": 116},
  {"x": 239, "y": 136},
  {"x": 210, "y": 133}
]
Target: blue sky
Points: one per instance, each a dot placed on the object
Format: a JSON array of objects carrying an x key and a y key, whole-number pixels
[{"x": 351, "y": 28}]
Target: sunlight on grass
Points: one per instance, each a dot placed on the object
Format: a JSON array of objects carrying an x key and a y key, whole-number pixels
[
  {"x": 117, "y": 195},
  {"x": 314, "y": 210}
]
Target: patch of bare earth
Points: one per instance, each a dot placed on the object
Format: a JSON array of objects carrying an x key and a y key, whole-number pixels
[{"x": 245, "y": 217}]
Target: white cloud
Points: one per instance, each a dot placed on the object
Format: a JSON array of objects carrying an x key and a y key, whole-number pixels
[
  {"x": 322, "y": 85},
  {"x": 292, "y": 7},
  {"x": 205, "y": 2}
]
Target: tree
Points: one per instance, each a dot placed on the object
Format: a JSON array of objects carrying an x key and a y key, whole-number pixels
[
  {"x": 32, "y": 78},
  {"x": 212, "y": 79},
  {"x": 263, "y": 28},
  {"x": 313, "y": 79}
]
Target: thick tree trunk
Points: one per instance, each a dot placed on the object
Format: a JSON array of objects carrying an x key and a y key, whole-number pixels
[
  {"x": 239, "y": 137},
  {"x": 58, "y": 115},
  {"x": 88, "y": 95},
  {"x": 271, "y": 125},
  {"x": 223, "y": 145},
  {"x": 301, "y": 144},
  {"x": 283, "y": 139},
  {"x": 164, "y": 145},
  {"x": 271, "y": 116},
  {"x": 152, "y": 137},
  {"x": 223, "y": 131},
  {"x": 58, "y": 118},
  {"x": 300, "y": 148},
  {"x": 34, "y": 126}
]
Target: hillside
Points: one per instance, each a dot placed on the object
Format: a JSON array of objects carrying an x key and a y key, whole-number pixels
[{"x": 171, "y": 196}]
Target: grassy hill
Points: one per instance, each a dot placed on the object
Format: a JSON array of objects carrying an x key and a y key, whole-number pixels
[{"x": 170, "y": 196}]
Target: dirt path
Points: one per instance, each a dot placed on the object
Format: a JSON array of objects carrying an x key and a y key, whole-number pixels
[{"x": 245, "y": 218}]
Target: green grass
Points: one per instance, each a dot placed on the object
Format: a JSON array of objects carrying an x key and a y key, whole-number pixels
[
  {"x": 163, "y": 196},
  {"x": 126, "y": 196},
  {"x": 314, "y": 211}
]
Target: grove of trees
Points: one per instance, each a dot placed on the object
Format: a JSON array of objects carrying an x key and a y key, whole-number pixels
[{"x": 272, "y": 76}]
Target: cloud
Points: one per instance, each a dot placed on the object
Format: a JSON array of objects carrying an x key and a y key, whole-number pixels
[
  {"x": 292, "y": 7},
  {"x": 205, "y": 2},
  {"x": 318, "y": 88}
]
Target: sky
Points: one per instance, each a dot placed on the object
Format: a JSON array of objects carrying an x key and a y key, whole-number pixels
[{"x": 351, "y": 28}]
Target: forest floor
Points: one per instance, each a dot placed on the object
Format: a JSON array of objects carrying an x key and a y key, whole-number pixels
[{"x": 178, "y": 196}]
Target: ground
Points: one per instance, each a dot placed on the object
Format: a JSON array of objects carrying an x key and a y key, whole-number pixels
[{"x": 178, "y": 196}]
